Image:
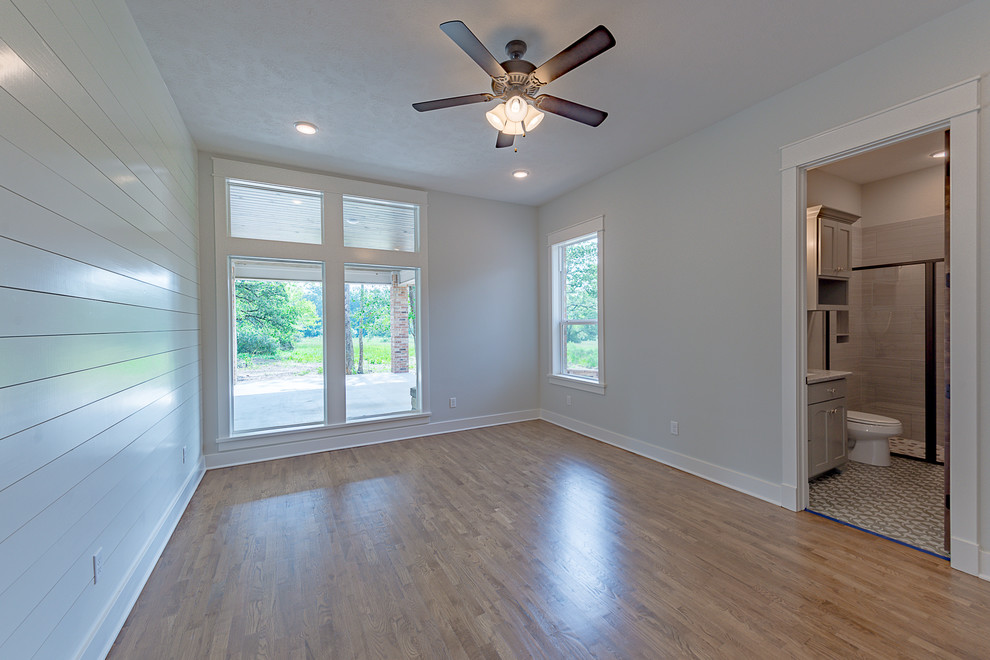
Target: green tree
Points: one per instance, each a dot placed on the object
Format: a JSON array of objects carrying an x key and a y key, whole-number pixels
[
  {"x": 313, "y": 292},
  {"x": 370, "y": 315},
  {"x": 581, "y": 289},
  {"x": 270, "y": 315}
]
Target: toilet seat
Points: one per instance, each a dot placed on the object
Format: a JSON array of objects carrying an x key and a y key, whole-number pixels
[{"x": 858, "y": 417}]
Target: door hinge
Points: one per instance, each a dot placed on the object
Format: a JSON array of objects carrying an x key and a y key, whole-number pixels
[
  {"x": 946, "y": 500},
  {"x": 947, "y": 391},
  {"x": 946, "y": 280}
]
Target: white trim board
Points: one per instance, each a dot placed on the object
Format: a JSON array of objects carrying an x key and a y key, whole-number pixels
[
  {"x": 361, "y": 439},
  {"x": 956, "y": 108},
  {"x": 743, "y": 483},
  {"x": 984, "y": 560},
  {"x": 104, "y": 634}
]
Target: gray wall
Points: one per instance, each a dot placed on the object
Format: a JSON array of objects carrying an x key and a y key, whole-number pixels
[
  {"x": 99, "y": 333},
  {"x": 693, "y": 259},
  {"x": 483, "y": 307}
]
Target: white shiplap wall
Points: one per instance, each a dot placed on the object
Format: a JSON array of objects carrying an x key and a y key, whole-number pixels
[{"x": 99, "y": 323}]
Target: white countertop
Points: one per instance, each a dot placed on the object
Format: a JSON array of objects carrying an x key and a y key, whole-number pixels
[{"x": 823, "y": 375}]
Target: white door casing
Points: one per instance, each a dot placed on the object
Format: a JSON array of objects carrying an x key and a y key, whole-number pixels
[{"x": 955, "y": 108}]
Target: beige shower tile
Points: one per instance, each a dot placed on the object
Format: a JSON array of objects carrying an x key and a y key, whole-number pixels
[
  {"x": 868, "y": 247},
  {"x": 895, "y": 345},
  {"x": 910, "y": 397}
]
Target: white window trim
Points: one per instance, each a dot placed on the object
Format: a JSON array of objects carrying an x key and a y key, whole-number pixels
[
  {"x": 231, "y": 339},
  {"x": 333, "y": 255},
  {"x": 554, "y": 240}
]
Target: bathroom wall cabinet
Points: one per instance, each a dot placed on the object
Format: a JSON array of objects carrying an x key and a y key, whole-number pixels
[
  {"x": 829, "y": 257},
  {"x": 827, "y": 441}
]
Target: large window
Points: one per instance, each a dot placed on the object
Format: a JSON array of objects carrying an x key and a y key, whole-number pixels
[
  {"x": 278, "y": 378},
  {"x": 577, "y": 355},
  {"x": 319, "y": 325}
]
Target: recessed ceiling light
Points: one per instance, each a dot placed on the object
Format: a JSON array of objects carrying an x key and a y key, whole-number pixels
[
  {"x": 306, "y": 128},
  {"x": 297, "y": 202},
  {"x": 938, "y": 154},
  {"x": 521, "y": 174},
  {"x": 351, "y": 221}
]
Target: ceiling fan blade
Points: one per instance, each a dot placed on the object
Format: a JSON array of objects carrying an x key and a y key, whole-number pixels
[
  {"x": 504, "y": 140},
  {"x": 590, "y": 45},
  {"x": 476, "y": 50},
  {"x": 571, "y": 110},
  {"x": 451, "y": 102}
]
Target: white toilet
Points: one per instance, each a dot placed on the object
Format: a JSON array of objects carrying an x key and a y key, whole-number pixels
[{"x": 868, "y": 435}]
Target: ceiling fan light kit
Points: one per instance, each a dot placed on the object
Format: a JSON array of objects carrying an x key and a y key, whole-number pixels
[
  {"x": 515, "y": 108},
  {"x": 500, "y": 120},
  {"x": 516, "y": 82},
  {"x": 497, "y": 117}
]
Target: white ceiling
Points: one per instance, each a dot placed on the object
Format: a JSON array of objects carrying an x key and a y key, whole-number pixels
[
  {"x": 242, "y": 71},
  {"x": 899, "y": 158}
]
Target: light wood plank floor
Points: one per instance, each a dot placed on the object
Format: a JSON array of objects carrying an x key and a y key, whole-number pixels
[{"x": 529, "y": 541}]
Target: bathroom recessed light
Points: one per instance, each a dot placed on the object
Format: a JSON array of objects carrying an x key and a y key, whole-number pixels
[
  {"x": 521, "y": 174},
  {"x": 938, "y": 154},
  {"x": 306, "y": 128}
]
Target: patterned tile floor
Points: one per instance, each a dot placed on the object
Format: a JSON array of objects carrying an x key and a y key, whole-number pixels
[{"x": 903, "y": 501}]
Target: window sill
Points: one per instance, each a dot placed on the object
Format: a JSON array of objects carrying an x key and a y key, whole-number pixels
[
  {"x": 301, "y": 434},
  {"x": 577, "y": 383}
]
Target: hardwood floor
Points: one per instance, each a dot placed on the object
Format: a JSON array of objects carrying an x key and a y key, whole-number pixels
[{"x": 529, "y": 541}]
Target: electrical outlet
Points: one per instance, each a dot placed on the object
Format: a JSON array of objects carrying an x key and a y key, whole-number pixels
[
  {"x": 97, "y": 565},
  {"x": 453, "y": 402},
  {"x": 673, "y": 428},
  {"x": 568, "y": 399}
]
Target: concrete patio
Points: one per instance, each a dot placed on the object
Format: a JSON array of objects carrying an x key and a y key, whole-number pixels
[{"x": 293, "y": 401}]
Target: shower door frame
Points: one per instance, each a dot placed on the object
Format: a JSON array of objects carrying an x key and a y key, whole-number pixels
[
  {"x": 955, "y": 108},
  {"x": 931, "y": 395}
]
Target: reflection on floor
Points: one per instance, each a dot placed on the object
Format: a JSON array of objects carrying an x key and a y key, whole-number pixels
[
  {"x": 915, "y": 448},
  {"x": 903, "y": 501}
]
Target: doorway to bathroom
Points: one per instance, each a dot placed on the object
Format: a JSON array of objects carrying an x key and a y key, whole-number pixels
[
  {"x": 955, "y": 108},
  {"x": 885, "y": 334}
]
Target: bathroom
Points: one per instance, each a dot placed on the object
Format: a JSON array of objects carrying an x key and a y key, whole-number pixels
[{"x": 879, "y": 330}]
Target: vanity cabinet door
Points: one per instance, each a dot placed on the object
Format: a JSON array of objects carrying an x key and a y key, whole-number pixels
[
  {"x": 818, "y": 428},
  {"x": 835, "y": 443}
]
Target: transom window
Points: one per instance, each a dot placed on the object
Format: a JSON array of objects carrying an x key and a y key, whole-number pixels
[{"x": 274, "y": 213}]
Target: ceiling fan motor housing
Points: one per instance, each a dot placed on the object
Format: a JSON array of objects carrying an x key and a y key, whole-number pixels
[{"x": 518, "y": 78}]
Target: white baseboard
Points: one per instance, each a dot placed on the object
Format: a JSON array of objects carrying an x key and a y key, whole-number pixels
[
  {"x": 744, "y": 483},
  {"x": 361, "y": 439},
  {"x": 105, "y": 632},
  {"x": 789, "y": 497},
  {"x": 967, "y": 557}
]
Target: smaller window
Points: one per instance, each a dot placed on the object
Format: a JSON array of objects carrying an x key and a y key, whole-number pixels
[
  {"x": 576, "y": 341},
  {"x": 274, "y": 213},
  {"x": 381, "y": 225},
  {"x": 380, "y": 331}
]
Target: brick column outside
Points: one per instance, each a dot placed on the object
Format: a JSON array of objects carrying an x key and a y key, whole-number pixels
[{"x": 400, "y": 326}]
